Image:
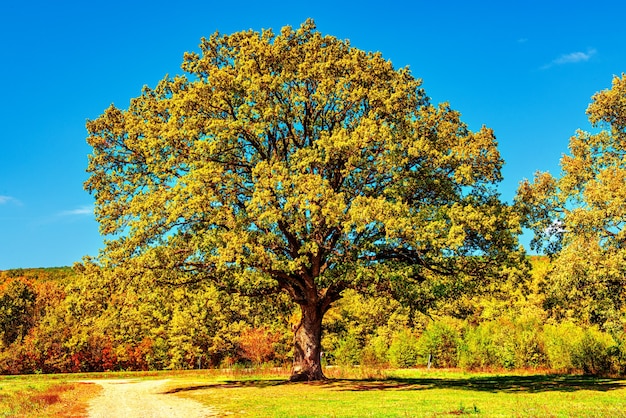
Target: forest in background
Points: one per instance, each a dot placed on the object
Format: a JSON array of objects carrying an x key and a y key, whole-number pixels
[{"x": 73, "y": 320}]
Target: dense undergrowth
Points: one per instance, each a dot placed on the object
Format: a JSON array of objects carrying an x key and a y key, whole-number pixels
[{"x": 60, "y": 320}]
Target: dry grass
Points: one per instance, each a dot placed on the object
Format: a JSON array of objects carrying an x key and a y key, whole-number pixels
[{"x": 46, "y": 401}]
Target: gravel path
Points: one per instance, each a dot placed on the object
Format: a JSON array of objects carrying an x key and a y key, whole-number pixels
[{"x": 142, "y": 399}]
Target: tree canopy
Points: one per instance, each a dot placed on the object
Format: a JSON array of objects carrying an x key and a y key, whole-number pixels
[
  {"x": 295, "y": 162},
  {"x": 580, "y": 217}
]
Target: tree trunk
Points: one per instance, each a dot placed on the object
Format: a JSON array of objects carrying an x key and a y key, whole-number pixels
[{"x": 307, "y": 364}]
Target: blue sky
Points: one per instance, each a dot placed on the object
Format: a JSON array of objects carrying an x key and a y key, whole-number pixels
[{"x": 526, "y": 69}]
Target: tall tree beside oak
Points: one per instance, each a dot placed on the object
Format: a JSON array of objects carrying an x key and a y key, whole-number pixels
[
  {"x": 580, "y": 217},
  {"x": 298, "y": 163}
]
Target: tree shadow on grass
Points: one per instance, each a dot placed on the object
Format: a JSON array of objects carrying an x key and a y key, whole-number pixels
[
  {"x": 230, "y": 384},
  {"x": 508, "y": 384}
]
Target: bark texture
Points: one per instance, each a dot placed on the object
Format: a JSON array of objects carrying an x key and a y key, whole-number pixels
[{"x": 307, "y": 365}]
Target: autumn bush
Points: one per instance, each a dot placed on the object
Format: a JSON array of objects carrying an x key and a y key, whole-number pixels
[{"x": 257, "y": 345}]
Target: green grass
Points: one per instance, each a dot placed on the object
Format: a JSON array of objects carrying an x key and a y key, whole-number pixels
[
  {"x": 362, "y": 392},
  {"x": 414, "y": 393}
]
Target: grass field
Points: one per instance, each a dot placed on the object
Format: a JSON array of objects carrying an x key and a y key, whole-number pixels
[
  {"x": 349, "y": 393},
  {"x": 415, "y": 393}
]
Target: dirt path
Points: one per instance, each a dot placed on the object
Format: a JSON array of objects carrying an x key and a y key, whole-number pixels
[{"x": 142, "y": 399}]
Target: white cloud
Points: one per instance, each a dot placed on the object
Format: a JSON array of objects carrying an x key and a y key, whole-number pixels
[
  {"x": 8, "y": 199},
  {"x": 83, "y": 210},
  {"x": 571, "y": 58},
  {"x": 575, "y": 57}
]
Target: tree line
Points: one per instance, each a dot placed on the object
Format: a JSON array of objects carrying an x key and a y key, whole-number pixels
[{"x": 64, "y": 320}]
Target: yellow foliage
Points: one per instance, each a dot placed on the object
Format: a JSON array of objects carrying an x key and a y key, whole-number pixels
[
  {"x": 295, "y": 162},
  {"x": 581, "y": 215}
]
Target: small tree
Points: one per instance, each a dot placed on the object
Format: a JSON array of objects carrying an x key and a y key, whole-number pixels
[
  {"x": 297, "y": 163},
  {"x": 580, "y": 217},
  {"x": 17, "y": 309}
]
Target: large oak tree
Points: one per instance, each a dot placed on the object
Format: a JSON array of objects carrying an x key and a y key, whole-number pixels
[
  {"x": 579, "y": 217},
  {"x": 298, "y": 163}
]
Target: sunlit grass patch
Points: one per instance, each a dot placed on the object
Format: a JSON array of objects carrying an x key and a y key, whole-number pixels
[{"x": 412, "y": 393}]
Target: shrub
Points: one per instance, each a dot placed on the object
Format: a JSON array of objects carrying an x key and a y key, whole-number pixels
[
  {"x": 503, "y": 343},
  {"x": 440, "y": 342},
  {"x": 618, "y": 353},
  {"x": 348, "y": 352},
  {"x": 479, "y": 349},
  {"x": 528, "y": 344},
  {"x": 404, "y": 349},
  {"x": 572, "y": 347},
  {"x": 157, "y": 358},
  {"x": 376, "y": 351},
  {"x": 559, "y": 340},
  {"x": 593, "y": 352}
]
